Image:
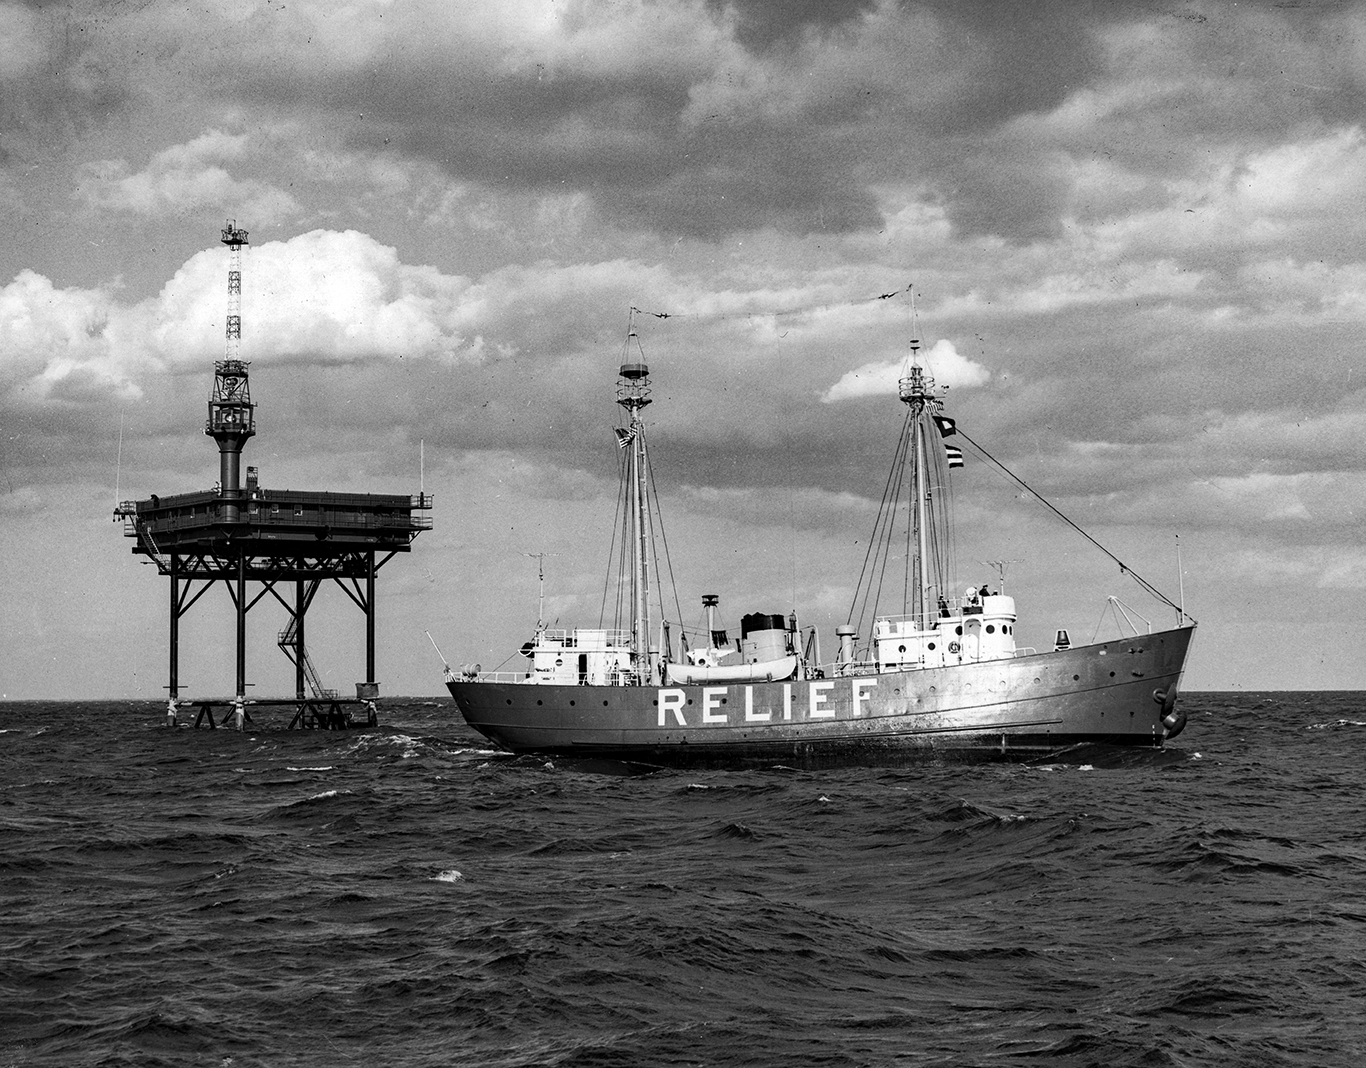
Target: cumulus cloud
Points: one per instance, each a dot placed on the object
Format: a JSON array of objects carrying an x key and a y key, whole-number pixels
[
  {"x": 321, "y": 297},
  {"x": 186, "y": 178},
  {"x": 64, "y": 343},
  {"x": 943, "y": 361}
]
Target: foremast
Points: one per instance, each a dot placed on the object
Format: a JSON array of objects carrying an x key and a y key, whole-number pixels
[{"x": 633, "y": 394}]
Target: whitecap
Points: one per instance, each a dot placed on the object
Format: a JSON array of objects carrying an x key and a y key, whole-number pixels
[
  {"x": 326, "y": 767},
  {"x": 448, "y": 876}
]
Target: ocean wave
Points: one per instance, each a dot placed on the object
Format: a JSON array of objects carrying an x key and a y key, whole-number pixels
[{"x": 163, "y": 908}]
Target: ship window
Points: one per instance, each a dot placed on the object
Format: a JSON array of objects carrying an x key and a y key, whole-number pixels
[
  {"x": 931, "y": 645},
  {"x": 902, "y": 648},
  {"x": 958, "y": 630},
  {"x": 991, "y": 628}
]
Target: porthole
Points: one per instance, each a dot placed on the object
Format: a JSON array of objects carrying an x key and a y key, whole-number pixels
[
  {"x": 991, "y": 628},
  {"x": 902, "y": 648},
  {"x": 931, "y": 646},
  {"x": 958, "y": 630},
  {"x": 1076, "y": 678},
  {"x": 571, "y": 704}
]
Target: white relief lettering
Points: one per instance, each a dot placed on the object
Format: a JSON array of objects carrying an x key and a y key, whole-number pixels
[
  {"x": 787, "y": 700},
  {"x": 672, "y": 701},
  {"x": 750, "y": 717},
  {"x": 818, "y": 692},
  {"x": 860, "y": 693},
  {"x": 711, "y": 699}
]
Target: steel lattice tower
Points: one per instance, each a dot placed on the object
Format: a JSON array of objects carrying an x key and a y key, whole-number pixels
[{"x": 234, "y": 239}]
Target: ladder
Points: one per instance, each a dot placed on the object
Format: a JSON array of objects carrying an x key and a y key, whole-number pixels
[
  {"x": 294, "y": 649},
  {"x": 149, "y": 546}
]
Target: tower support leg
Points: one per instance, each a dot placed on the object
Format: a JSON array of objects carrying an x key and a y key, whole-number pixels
[
  {"x": 241, "y": 629},
  {"x": 173, "y": 646},
  {"x": 300, "y": 610},
  {"x": 370, "y": 619}
]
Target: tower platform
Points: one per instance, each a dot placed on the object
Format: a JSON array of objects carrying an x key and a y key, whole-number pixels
[{"x": 289, "y": 542}]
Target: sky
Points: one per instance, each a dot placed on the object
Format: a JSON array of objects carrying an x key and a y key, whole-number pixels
[{"x": 1128, "y": 235}]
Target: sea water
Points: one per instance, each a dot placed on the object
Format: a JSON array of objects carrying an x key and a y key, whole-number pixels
[{"x": 407, "y": 896}]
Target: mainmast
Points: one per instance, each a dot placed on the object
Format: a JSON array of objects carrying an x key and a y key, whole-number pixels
[
  {"x": 633, "y": 394},
  {"x": 918, "y": 393}
]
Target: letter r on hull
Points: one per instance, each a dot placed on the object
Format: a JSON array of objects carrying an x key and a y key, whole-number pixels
[{"x": 672, "y": 701}]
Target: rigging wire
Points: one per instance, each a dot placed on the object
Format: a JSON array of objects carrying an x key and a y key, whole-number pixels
[
  {"x": 805, "y": 309},
  {"x": 1123, "y": 567},
  {"x": 870, "y": 557},
  {"x": 668, "y": 560},
  {"x": 612, "y": 550}
]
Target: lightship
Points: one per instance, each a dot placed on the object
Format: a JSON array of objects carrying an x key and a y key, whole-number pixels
[{"x": 942, "y": 678}]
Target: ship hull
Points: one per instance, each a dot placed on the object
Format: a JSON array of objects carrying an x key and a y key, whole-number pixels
[{"x": 1025, "y": 707}]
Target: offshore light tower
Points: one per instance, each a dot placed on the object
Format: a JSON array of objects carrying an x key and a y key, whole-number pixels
[
  {"x": 237, "y": 535},
  {"x": 232, "y": 416}
]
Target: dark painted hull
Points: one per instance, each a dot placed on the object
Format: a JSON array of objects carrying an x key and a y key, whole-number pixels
[{"x": 1113, "y": 693}]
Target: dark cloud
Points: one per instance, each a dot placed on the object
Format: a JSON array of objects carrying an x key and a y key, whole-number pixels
[
  {"x": 762, "y": 24},
  {"x": 1022, "y": 58}
]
